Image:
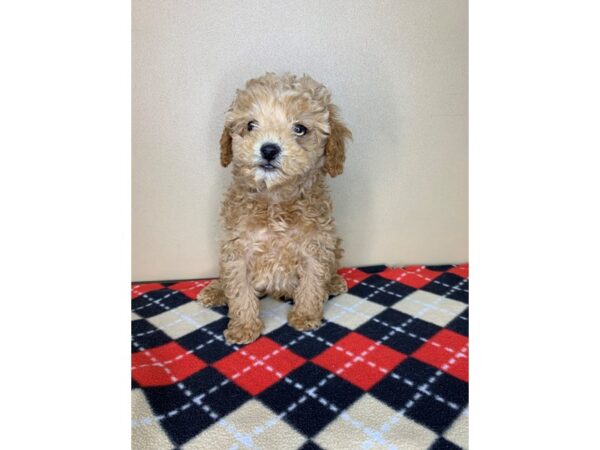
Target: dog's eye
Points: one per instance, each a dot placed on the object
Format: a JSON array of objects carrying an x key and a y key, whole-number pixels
[
  {"x": 299, "y": 129},
  {"x": 251, "y": 125}
]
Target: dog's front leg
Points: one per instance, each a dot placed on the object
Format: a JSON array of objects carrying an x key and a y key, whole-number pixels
[
  {"x": 310, "y": 295},
  {"x": 244, "y": 322}
]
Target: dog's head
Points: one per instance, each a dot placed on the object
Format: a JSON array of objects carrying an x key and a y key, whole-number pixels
[{"x": 279, "y": 130}]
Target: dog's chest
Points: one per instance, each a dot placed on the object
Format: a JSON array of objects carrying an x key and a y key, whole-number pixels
[
  {"x": 274, "y": 252},
  {"x": 273, "y": 238}
]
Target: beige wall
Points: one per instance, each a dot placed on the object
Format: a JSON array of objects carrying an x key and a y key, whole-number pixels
[{"x": 398, "y": 71}]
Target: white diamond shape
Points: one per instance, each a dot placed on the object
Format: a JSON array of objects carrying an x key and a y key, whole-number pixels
[
  {"x": 430, "y": 307},
  {"x": 273, "y": 313},
  {"x": 146, "y": 431},
  {"x": 250, "y": 426},
  {"x": 351, "y": 311},
  {"x": 458, "y": 433},
  {"x": 362, "y": 426},
  {"x": 184, "y": 319}
]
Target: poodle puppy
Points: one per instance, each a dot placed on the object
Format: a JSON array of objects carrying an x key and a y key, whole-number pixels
[{"x": 282, "y": 135}]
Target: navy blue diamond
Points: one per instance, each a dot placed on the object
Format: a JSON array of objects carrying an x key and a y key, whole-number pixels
[
  {"x": 398, "y": 330},
  {"x": 309, "y": 344},
  {"x": 433, "y": 399},
  {"x": 207, "y": 342},
  {"x": 310, "y": 445},
  {"x": 146, "y": 335},
  {"x": 440, "y": 268},
  {"x": 451, "y": 286},
  {"x": 190, "y": 418},
  {"x": 372, "y": 269},
  {"x": 433, "y": 414},
  {"x": 400, "y": 386},
  {"x": 156, "y": 302},
  {"x": 310, "y": 413},
  {"x": 381, "y": 290},
  {"x": 460, "y": 324},
  {"x": 444, "y": 444},
  {"x": 398, "y": 389}
]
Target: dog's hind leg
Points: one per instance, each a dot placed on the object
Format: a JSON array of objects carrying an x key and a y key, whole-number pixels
[
  {"x": 337, "y": 285},
  {"x": 212, "y": 295}
]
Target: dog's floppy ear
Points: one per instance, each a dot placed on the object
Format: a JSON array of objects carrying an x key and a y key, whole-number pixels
[
  {"x": 335, "y": 148},
  {"x": 226, "y": 150}
]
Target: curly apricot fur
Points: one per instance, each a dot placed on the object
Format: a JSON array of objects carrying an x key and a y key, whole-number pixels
[{"x": 279, "y": 233}]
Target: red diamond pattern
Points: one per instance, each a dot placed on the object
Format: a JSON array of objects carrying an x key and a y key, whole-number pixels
[
  {"x": 276, "y": 376},
  {"x": 414, "y": 276},
  {"x": 164, "y": 365},
  {"x": 345, "y": 360},
  {"x": 353, "y": 276},
  {"x": 190, "y": 289},
  {"x": 461, "y": 270},
  {"x": 258, "y": 365},
  {"x": 141, "y": 289},
  {"x": 436, "y": 352}
]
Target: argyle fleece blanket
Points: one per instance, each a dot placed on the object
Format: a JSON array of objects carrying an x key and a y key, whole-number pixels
[{"x": 387, "y": 369}]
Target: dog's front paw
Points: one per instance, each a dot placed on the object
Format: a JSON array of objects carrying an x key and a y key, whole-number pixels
[
  {"x": 212, "y": 295},
  {"x": 242, "y": 333},
  {"x": 303, "y": 322}
]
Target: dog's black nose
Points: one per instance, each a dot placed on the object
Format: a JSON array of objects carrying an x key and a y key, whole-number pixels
[{"x": 270, "y": 151}]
